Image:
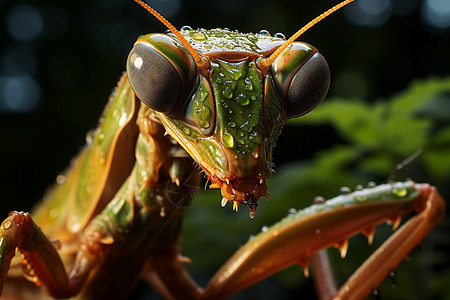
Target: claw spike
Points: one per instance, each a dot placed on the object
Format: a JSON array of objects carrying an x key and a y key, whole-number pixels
[
  {"x": 369, "y": 233},
  {"x": 184, "y": 259},
  {"x": 235, "y": 206},
  {"x": 215, "y": 185},
  {"x": 224, "y": 202},
  {"x": 395, "y": 221},
  {"x": 342, "y": 246},
  {"x": 306, "y": 271},
  {"x": 305, "y": 265}
]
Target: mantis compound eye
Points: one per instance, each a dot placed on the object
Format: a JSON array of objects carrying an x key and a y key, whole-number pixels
[
  {"x": 303, "y": 77},
  {"x": 161, "y": 73}
]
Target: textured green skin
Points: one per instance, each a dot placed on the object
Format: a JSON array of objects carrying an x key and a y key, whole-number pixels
[{"x": 236, "y": 114}]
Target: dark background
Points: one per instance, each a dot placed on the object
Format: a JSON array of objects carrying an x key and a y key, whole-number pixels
[{"x": 59, "y": 61}]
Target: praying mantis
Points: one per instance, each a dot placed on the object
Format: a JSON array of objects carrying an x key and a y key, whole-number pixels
[{"x": 198, "y": 121}]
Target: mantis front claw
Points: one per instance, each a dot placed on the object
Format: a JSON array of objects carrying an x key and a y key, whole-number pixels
[
  {"x": 18, "y": 230},
  {"x": 297, "y": 237}
]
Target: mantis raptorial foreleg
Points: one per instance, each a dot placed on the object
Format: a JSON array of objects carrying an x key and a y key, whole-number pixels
[
  {"x": 144, "y": 217},
  {"x": 296, "y": 238}
]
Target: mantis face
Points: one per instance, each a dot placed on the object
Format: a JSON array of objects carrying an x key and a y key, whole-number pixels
[{"x": 228, "y": 112}]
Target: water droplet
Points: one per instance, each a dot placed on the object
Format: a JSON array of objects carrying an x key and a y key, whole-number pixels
[
  {"x": 255, "y": 155},
  {"x": 264, "y": 228},
  {"x": 53, "y": 213},
  {"x": 371, "y": 184},
  {"x": 242, "y": 100},
  {"x": 248, "y": 86},
  {"x": 292, "y": 211},
  {"x": 359, "y": 187},
  {"x": 279, "y": 35},
  {"x": 228, "y": 92},
  {"x": 7, "y": 224},
  {"x": 318, "y": 200},
  {"x": 232, "y": 124},
  {"x": 89, "y": 138},
  {"x": 88, "y": 189},
  {"x": 400, "y": 192},
  {"x": 198, "y": 36},
  {"x": 186, "y": 27},
  {"x": 228, "y": 140},
  {"x": 203, "y": 124},
  {"x": 186, "y": 131},
  {"x": 99, "y": 137},
  {"x": 252, "y": 38},
  {"x": 162, "y": 212},
  {"x": 60, "y": 179},
  {"x": 159, "y": 199},
  {"x": 264, "y": 32},
  {"x": 235, "y": 74},
  {"x": 345, "y": 190},
  {"x": 57, "y": 244},
  {"x": 361, "y": 198}
]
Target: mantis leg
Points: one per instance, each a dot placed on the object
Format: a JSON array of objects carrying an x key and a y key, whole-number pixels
[
  {"x": 324, "y": 279},
  {"x": 19, "y": 231},
  {"x": 391, "y": 253},
  {"x": 142, "y": 221},
  {"x": 296, "y": 238}
]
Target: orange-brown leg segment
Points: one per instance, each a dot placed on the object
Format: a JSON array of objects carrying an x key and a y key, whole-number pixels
[
  {"x": 19, "y": 231},
  {"x": 431, "y": 208},
  {"x": 324, "y": 279},
  {"x": 298, "y": 237}
]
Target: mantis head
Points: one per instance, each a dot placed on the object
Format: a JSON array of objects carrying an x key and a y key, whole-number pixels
[{"x": 224, "y": 96}]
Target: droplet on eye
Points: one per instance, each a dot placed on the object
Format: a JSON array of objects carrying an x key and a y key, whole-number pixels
[{"x": 228, "y": 140}]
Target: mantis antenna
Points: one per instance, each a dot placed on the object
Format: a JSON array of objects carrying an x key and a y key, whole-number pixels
[
  {"x": 266, "y": 62},
  {"x": 199, "y": 60}
]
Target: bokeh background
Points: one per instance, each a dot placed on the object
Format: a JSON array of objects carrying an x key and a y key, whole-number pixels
[{"x": 59, "y": 61}]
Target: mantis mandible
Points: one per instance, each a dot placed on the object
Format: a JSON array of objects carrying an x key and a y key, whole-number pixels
[{"x": 219, "y": 98}]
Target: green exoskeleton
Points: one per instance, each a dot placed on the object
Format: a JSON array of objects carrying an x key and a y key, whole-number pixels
[{"x": 218, "y": 98}]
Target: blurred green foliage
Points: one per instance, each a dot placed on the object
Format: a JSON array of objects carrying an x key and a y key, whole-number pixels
[{"x": 373, "y": 139}]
